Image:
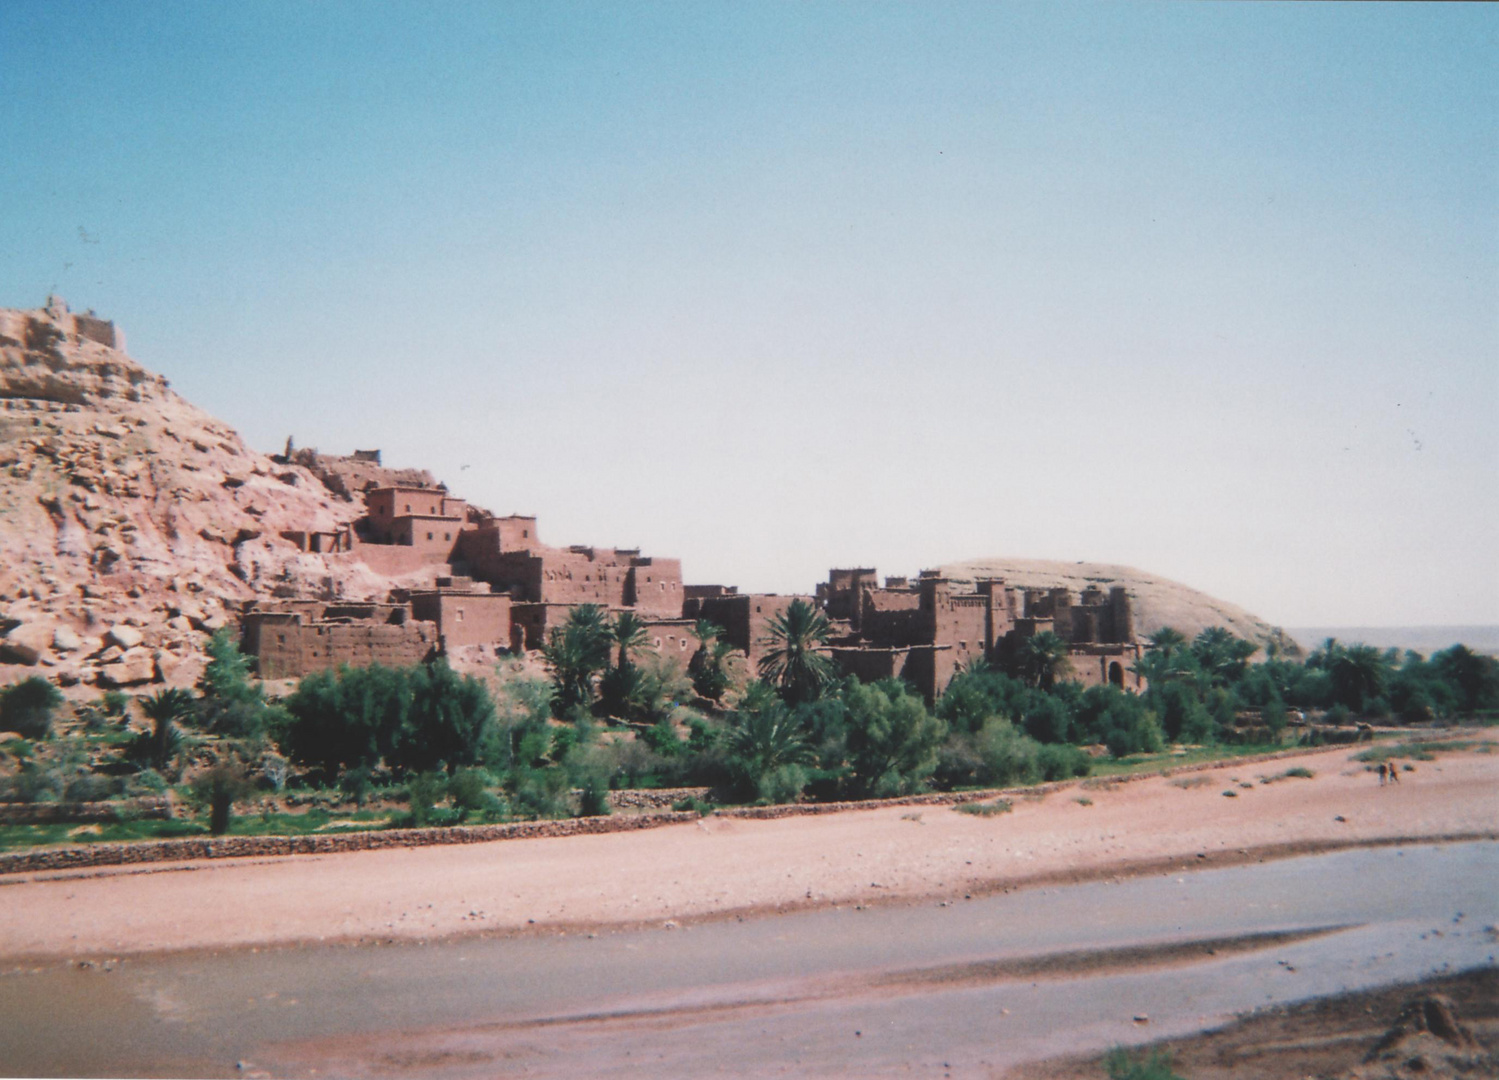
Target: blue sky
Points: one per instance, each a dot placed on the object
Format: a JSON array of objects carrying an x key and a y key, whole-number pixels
[{"x": 1206, "y": 289}]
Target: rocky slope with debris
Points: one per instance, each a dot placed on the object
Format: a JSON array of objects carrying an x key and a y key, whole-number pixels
[{"x": 132, "y": 524}]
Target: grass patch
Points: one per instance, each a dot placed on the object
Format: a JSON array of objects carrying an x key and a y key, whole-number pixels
[
  {"x": 1197, "y": 755},
  {"x": 993, "y": 809},
  {"x": 71, "y": 834},
  {"x": 1418, "y": 751},
  {"x": 1156, "y": 1065},
  {"x": 1186, "y": 782},
  {"x": 1083, "y": 800},
  {"x": 1301, "y": 772}
]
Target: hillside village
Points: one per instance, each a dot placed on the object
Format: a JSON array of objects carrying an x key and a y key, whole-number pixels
[
  {"x": 137, "y": 525},
  {"x": 497, "y": 586}
]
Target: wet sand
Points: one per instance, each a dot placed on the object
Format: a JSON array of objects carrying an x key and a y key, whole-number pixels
[
  {"x": 1320, "y": 1038},
  {"x": 721, "y": 867},
  {"x": 961, "y": 989}
]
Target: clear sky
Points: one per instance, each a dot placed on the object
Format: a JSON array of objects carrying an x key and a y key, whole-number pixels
[{"x": 1212, "y": 290}]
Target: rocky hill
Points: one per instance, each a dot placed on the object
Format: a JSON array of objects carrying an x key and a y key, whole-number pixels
[
  {"x": 132, "y": 523},
  {"x": 1157, "y": 601}
]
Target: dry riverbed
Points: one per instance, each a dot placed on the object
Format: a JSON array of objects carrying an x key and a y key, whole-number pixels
[{"x": 719, "y": 867}]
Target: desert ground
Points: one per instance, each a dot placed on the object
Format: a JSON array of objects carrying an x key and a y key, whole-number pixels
[{"x": 723, "y": 867}]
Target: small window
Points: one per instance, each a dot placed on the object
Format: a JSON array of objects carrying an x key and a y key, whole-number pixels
[
  {"x": 408, "y": 508},
  {"x": 663, "y": 586},
  {"x": 460, "y": 614},
  {"x": 658, "y": 642},
  {"x": 429, "y": 536},
  {"x": 447, "y": 536},
  {"x": 281, "y": 639},
  {"x": 525, "y": 534}
]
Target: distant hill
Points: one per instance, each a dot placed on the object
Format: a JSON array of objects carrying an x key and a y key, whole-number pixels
[
  {"x": 1158, "y": 601},
  {"x": 1423, "y": 639}
]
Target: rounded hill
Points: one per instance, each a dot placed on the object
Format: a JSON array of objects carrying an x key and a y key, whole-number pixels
[{"x": 1157, "y": 601}]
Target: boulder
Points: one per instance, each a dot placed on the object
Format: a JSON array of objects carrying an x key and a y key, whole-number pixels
[
  {"x": 126, "y": 637},
  {"x": 26, "y": 644},
  {"x": 132, "y": 668},
  {"x": 65, "y": 640}
]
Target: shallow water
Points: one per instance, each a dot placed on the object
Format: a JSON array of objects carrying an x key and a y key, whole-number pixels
[{"x": 769, "y": 994}]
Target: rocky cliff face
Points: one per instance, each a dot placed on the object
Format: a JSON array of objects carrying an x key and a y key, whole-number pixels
[{"x": 132, "y": 524}]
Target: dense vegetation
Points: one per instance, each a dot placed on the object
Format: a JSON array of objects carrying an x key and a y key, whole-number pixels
[{"x": 614, "y": 715}]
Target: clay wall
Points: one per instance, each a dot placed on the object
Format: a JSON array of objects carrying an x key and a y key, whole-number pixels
[
  {"x": 746, "y": 619},
  {"x": 892, "y": 617},
  {"x": 383, "y": 506},
  {"x": 671, "y": 639},
  {"x": 654, "y": 587},
  {"x": 841, "y": 596},
  {"x": 465, "y": 618},
  {"x": 530, "y": 623},
  {"x": 870, "y": 664},
  {"x": 392, "y": 560},
  {"x": 1101, "y": 664},
  {"x": 90, "y": 328},
  {"x": 431, "y": 535},
  {"x": 290, "y": 649}
]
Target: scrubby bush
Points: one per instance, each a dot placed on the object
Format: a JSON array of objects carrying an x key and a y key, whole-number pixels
[
  {"x": 1154, "y": 1065},
  {"x": 470, "y": 794},
  {"x": 892, "y": 739},
  {"x": 1062, "y": 762},
  {"x": 422, "y": 792},
  {"x": 416, "y": 719},
  {"x": 219, "y": 787},
  {"x": 91, "y": 787},
  {"x": 115, "y": 702},
  {"x": 27, "y": 707}
]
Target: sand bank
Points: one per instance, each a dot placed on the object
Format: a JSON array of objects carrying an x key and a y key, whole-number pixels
[{"x": 717, "y": 867}]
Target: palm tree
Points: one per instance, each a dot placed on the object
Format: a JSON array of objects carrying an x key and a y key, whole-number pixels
[
  {"x": 163, "y": 743},
  {"x": 793, "y": 665},
  {"x": 1041, "y": 660},
  {"x": 577, "y": 651},
  {"x": 1167, "y": 641},
  {"x": 628, "y": 632},
  {"x": 1222, "y": 657},
  {"x": 706, "y": 668},
  {"x": 1358, "y": 675},
  {"x": 767, "y": 739}
]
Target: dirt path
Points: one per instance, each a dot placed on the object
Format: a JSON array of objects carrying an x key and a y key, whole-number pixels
[{"x": 717, "y": 867}]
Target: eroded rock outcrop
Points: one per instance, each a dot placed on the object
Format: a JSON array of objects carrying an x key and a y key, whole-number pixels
[{"x": 133, "y": 524}]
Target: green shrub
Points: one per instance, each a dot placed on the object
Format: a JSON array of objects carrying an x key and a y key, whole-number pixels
[
  {"x": 1008, "y": 756},
  {"x": 990, "y": 809},
  {"x": 422, "y": 792},
  {"x": 115, "y": 702},
  {"x": 27, "y": 707},
  {"x": 92, "y": 787},
  {"x": 1156, "y": 1065},
  {"x": 1063, "y": 762},
  {"x": 218, "y": 788}
]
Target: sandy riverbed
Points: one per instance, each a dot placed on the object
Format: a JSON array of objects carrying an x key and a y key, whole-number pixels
[{"x": 721, "y": 866}]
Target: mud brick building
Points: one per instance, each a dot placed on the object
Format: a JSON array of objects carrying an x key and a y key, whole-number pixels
[
  {"x": 464, "y": 611},
  {"x": 927, "y": 632},
  {"x": 744, "y": 617},
  {"x": 295, "y": 639},
  {"x": 499, "y": 585}
]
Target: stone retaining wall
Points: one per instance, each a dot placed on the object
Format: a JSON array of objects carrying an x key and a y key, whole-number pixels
[
  {"x": 78, "y": 813},
  {"x": 654, "y": 798},
  {"x": 231, "y": 847}
]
